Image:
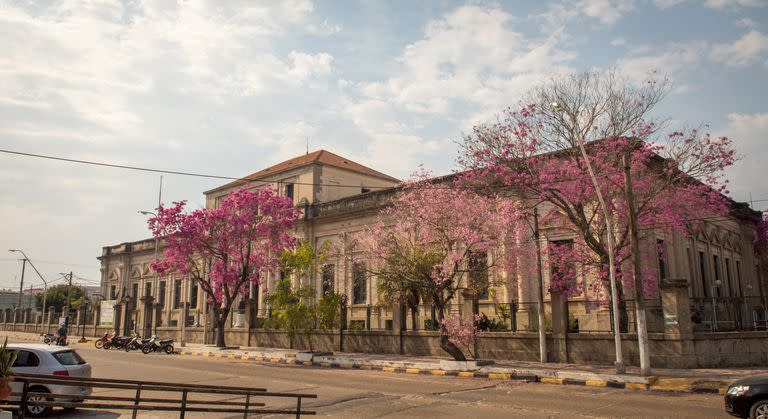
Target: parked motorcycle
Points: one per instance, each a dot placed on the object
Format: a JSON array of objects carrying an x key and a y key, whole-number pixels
[
  {"x": 104, "y": 343},
  {"x": 48, "y": 337},
  {"x": 60, "y": 340},
  {"x": 118, "y": 342},
  {"x": 135, "y": 344},
  {"x": 155, "y": 345}
]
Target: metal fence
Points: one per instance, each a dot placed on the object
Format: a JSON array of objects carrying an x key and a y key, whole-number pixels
[
  {"x": 723, "y": 314},
  {"x": 135, "y": 396}
]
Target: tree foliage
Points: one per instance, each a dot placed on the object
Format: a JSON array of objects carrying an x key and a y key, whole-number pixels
[
  {"x": 56, "y": 297},
  {"x": 226, "y": 248}
]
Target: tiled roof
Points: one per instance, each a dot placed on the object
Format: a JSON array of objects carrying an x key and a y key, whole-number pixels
[{"x": 320, "y": 157}]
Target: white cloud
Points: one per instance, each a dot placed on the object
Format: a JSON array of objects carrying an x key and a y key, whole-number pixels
[
  {"x": 722, "y": 4},
  {"x": 665, "y": 4},
  {"x": 606, "y": 12},
  {"x": 672, "y": 61},
  {"x": 746, "y": 23},
  {"x": 743, "y": 51},
  {"x": 324, "y": 28},
  {"x": 748, "y": 131},
  {"x": 618, "y": 42}
]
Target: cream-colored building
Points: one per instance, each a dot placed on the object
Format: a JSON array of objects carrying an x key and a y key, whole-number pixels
[{"x": 340, "y": 197}]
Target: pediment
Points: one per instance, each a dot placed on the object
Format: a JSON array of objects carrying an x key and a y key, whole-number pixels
[
  {"x": 136, "y": 271},
  {"x": 114, "y": 274}
]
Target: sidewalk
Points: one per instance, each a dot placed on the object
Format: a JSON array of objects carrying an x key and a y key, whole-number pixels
[{"x": 664, "y": 379}]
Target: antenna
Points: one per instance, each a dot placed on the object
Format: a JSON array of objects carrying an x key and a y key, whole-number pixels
[{"x": 307, "y": 145}]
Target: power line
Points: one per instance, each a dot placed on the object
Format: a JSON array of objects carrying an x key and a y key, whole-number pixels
[{"x": 174, "y": 172}]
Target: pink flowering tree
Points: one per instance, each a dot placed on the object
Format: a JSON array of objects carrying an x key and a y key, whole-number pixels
[
  {"x": 426, "y": 244},
  {"x": 596, "y": 123},
  {"x": 225, "y": 249}
]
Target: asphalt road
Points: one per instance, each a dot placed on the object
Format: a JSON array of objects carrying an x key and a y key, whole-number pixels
[{"x": 370, "y": 394}]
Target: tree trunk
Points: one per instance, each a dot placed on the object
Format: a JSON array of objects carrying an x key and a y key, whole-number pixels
[
  {"x": 540, "y": 289},
  {"x": 220, "y": 323},
  {"x": 446, "y": 344},
  {"x": 634, "y": 246}
]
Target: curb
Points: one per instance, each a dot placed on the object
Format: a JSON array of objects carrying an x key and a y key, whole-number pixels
[{"x": 461, "y": 374}]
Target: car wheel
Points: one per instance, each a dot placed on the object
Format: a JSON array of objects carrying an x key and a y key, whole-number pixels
[
  {"x": 34, "y": 410},
  {"x": 759, "y": 410},
  {"x": 169, "y": 349},
  {"x": 99, "y": 344}
]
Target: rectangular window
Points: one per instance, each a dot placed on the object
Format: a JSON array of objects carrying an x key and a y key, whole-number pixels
[
  {"x": 703, "y": 274},
  {"x": 563, "y": 270},
  {"x": 328, "y": 278},
  {"x": 112, "y": 291},
  {"x": 135, "y": 290},
  {"x": 716, "y": 267},
  {"x": 359, "y": 284},
  {"x": 691, "y": 270},
  {"x": 478, "y": 274},
  {"x": 193, "y": 295},
  {"x": 662, "y": 259},
  {"x": 177, "y": 293},
  {"x": 289, "y": 190},
  {"x": 738, "y": 276},
  {"x": 729, "y": 279},
  {"x": 161, "y": 294},
  {"x": 147, "y": 289}
]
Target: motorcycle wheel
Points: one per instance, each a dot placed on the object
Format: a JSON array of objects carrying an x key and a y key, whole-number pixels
[
  {"x": 99, "y": 344},
  {"x": 107, "y": 345},
  {"x": 47, "y": 341},
  {"x": 127, "y": 348},
  {"x": 169, "y": 349},
  {"x": 146, "y": 349}
]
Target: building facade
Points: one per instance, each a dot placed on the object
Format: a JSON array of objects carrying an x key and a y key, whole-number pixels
[{"x": 725, "y": 280}]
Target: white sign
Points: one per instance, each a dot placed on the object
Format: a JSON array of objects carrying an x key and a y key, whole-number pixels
[{"x": 107, "y": 312}]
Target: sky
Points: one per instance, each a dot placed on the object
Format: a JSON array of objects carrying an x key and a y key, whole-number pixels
[{"x": 227, "y": 88}]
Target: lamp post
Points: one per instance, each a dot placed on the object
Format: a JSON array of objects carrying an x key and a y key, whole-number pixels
[{"x": 45, "y": 289}]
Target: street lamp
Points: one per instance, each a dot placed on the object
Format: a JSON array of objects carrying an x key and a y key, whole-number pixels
[{"x": 45, "y": 289}]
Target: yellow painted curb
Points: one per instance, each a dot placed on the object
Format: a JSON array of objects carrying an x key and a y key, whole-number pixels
[
  {"x": 437, "y": 372},
  {"x": 636, "y": 386},
  {"x": 412, "y": 370},
  {"x": 244, "y": 357},
  {"x": 673, "y": 384},
  {"x": 466, "y": 374},
  {"x": 388, "y": 369},
  {"x": 218, "y": 355},
  {"x": 366, "y": 367},
  {"x": 346, "y": 366},
  {"x": 548, "y": 380},
  {"x": 274, "y": 360},
  {"x": 597, "y": 383},
  {"x": 499, "y": 376},
  {"x": 231, "y": 356},
  {"x": 723, "y": 390},
  {"x": 290, "y": 361}
]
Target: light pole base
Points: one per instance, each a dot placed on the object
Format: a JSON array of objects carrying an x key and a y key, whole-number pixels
[
  {"x": 82, "y": 340},
  {"x": 183, "y": 344}
]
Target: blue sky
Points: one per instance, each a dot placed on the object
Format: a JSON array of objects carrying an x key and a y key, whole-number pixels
[{"x": 230, "y": 87}]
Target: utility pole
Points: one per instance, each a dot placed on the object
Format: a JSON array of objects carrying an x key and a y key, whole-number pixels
[
  {"x": 21, "y": 285},
  {"x": 69, "y": 297},
  {"x": 540, "y": 294}
]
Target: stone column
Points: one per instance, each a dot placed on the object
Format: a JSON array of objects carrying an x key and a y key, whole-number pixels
[
  {"x": 678, "y": 325},
  {"x": 116, "y": 319},
  {"x": 559, "y": 348}
]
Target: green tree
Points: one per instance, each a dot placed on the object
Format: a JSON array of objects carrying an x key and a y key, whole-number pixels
[{"x": 56, "y": 297}]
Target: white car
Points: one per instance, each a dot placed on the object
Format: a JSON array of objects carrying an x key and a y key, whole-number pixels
[{"x": 48, "y": 360}]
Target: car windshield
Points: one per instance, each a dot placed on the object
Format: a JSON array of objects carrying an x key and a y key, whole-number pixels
[{"x": 68, "y": 358}]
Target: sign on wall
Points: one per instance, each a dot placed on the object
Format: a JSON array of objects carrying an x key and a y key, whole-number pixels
[{"x": 107, "y": 312}]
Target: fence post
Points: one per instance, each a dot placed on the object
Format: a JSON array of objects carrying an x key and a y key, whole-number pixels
[
  {"x": 24, "y": 396},
  {"x": 559, "y": 327},
  {"x": 136, "y": 402},
  {"x": 298, "y": 407},
  {"x": 247, "y": 405},
  {"x": 183, "y": 404}
]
